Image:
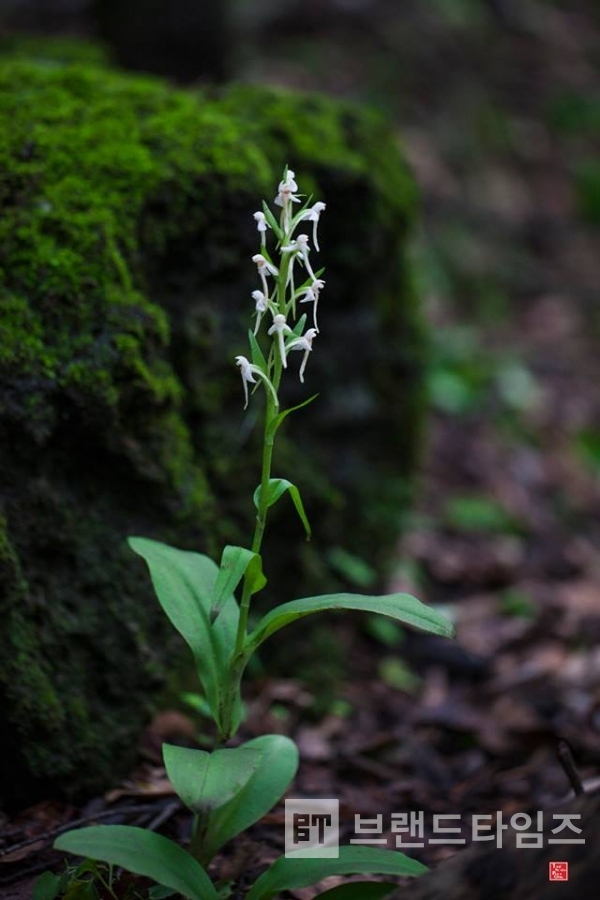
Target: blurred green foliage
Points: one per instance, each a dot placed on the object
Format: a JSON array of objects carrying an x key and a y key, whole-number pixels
[
  {"x": 517, "y": 604},
  {"x": 352, "y": 568},
  {"x": 574, "y": 113},
  {"x": 477, "y": 513},
  {"x": 587, "y": 188},
  {"x": 395, "y": 673},
  {"x": 587, "y": 445}
]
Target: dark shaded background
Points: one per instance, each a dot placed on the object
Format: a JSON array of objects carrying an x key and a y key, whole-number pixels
[{"x": 497, "y": 104}]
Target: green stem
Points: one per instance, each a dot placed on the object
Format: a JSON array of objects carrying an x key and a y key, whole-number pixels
[
  {"x": 107, "y": 884},
  {"x": 199, "y": 829},
  {"x": 271, "y": 412},
  {"x": 239, "y": 660}
]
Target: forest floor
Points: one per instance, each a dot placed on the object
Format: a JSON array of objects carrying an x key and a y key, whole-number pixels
[{"x": 498, "y": 111}]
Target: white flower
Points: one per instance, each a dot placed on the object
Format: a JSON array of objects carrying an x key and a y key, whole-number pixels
[
  {"x": 299, "y": 247},
  {"x": 261, "y": 225},
  {"x": 264, "y": 268},
  {"x": 286, "y": 190},
  {"x": 261, "y": 301},
  {"x": 279, "y": 327},
  {"x": 312, "y": 215},
  {"x": 302, "y": 247},
  {"x": 248, "y": 371},
  {"x": 303, "y": 343},
  {"x": 264, "y": 264},
  {"x": 311, "y": 295},
  {"x": 261, "y": 222},
  {"x": 261, "y": 307}
]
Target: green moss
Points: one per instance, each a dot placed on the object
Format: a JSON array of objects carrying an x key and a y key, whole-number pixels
[
  {"x": 326, "y": 133},
  {"x": 125, "y": 242},
  {"x": 58, "y": 50},
  {"x": 26, "y": 678}
]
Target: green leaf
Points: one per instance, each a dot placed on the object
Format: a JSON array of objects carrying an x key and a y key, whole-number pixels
[
  {"x": 272, "y": 221},
  {"x": 235, "y": 562},
  {"x": 184, "y": 583},
  {"x": 359, "y": 890},
  {"x": 46, "y": 887},
  {"x": 160, "y": 892},
  {"x": 265, "y": 787},
  {"x": 402, "y": 607},
  {"x": 81, "y": 890},
  {"x": 277, "y": 487},
  {"x": 258, "y": 358},
  {"x": 297, "y": 870},
  {"x": 144, "y": 853},
  {"x": 85, "y": 867},
  {"x": 205, "y": 781},
  {"x": 279, "y": 418},
  {"x": 297, "y": 329},
  {"x": 197, "y": 702}
]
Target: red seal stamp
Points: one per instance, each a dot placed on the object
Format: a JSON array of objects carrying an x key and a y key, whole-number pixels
[{"x": 558, "y": 871}]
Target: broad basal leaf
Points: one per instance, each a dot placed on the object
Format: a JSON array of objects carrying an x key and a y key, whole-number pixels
[
  {"x": 205, "y": 781},
  {"x": 184, "y": 583},
  {"x": 144, "y": 853},
  {"x": 293, "y": 871},
  {"x": 359, "y": 890},
  {"x": 265, "y": 787}
]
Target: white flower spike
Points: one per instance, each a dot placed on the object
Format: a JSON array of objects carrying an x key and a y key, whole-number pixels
[
  {"x": 303, "y": 343},
  {"x": 311, "y": 295},
  {"x": 312, "y": 215},
  {"x": 248, "y": 371},
  {"x": 279, "y": 327},
  {"x": 281, "y": 300}
]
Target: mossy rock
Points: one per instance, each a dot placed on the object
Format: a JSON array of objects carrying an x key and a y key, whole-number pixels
[{"x": 125, "y": 280}]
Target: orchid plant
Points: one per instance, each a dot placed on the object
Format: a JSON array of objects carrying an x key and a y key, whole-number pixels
[{"x": 230, "y": 788}]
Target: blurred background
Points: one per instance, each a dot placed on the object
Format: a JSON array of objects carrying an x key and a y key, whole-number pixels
[{"x": 497, "y": 107}]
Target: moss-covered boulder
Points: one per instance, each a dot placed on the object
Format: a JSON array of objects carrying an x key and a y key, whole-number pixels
[{"x": 126, "y": 233}]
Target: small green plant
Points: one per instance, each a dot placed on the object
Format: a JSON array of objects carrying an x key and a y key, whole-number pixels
[
  {"x": 231, "y": 787},
  {"x": 89, "y": 880}
]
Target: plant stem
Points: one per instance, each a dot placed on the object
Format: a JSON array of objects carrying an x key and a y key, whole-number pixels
[
  {"x": 107, "y": 884},
  {"x": 238, "y": 661},
  {"x": 198, "y": 840},
  {"x": 263, "y": 505}
]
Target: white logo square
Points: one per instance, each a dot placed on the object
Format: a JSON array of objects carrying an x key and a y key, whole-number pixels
[{"x": 312, "y": 827}]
